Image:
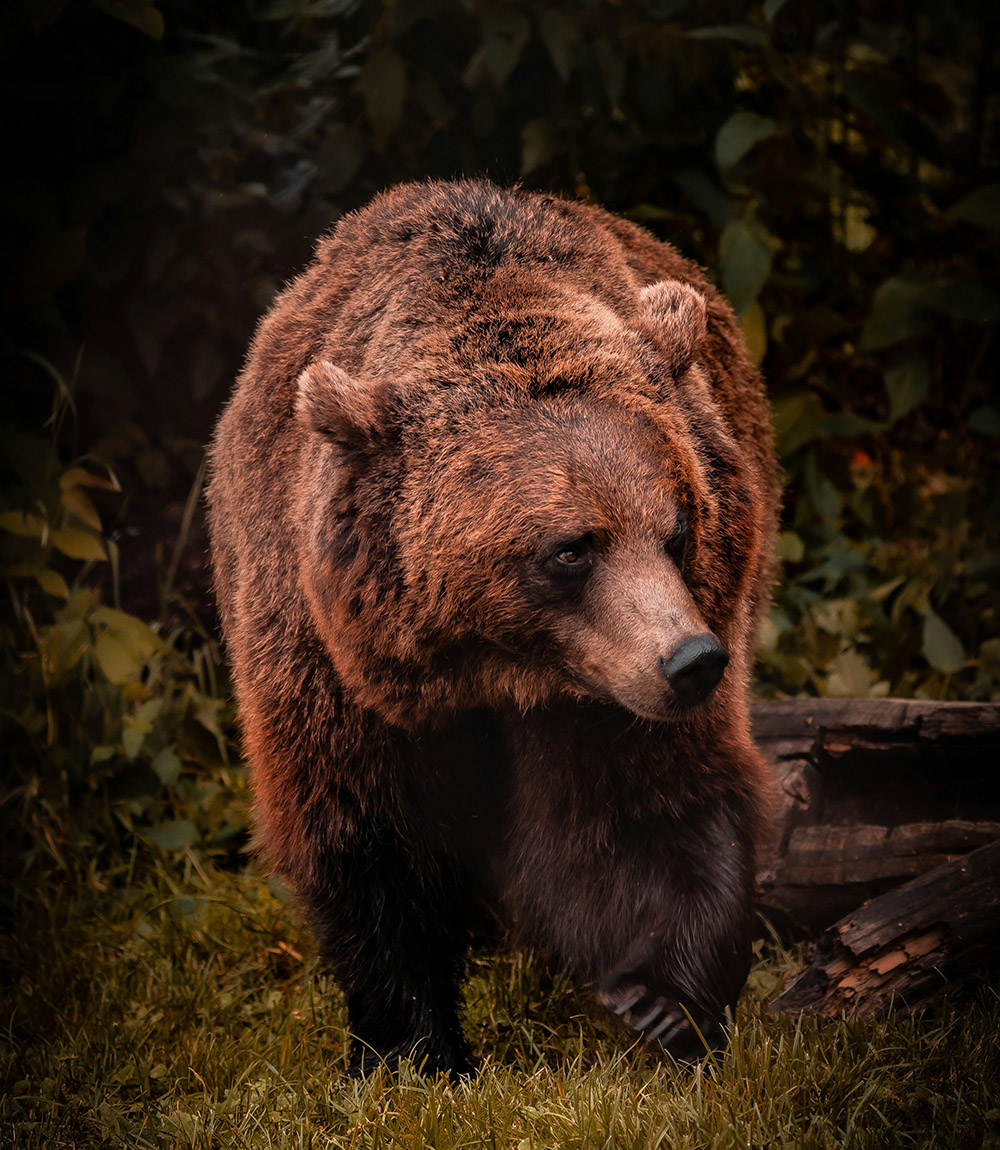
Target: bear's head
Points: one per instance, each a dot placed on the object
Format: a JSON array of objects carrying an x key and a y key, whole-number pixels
[{"x": 528, "y": 534}]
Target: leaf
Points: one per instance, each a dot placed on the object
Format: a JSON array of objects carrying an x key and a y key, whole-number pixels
[
  {"x": 849, "y": 676},
  {"x": 561, "y": 35},
  {"x": 908, "y": 385},
  {"x": 76, "y": 502},
  {"x": 167, "y": 766},
  {"x": 51, "y": 582},
  {"x": 117, "y": 661},
  {"x": 942, "y": 648},
  {"x": 755, "y": 332},
  {"x": 78, "y": 544},
  {"x": 79, "y": 477},
  {"x": 612, "y": 67},
  {"x": 536, "y": 145},
  {"x": 798, "y": 419},
  {"x": 130, "y": 631},
  {"x": 22, "y": 523},
  {"x": 741, "y": 132},
  {"x": 745, "y": 260},
  {"x": 901, "y": 309},
  {"x": 981, "y": 207},
  {"x": 741, "y": 33},
  {"x": 137, "y": 13},
  {"x": 985, "y": 420},
  {"x": 772, "y": 8},
  {"x": 383, "y": 84},
  {"x": 505, "y": 36},
  {"x": 705, "y": 194},
  {"x": 849, "y": 424},
  {"x": 790, "y": 547},
  {"x": 134, "y": 735},
  {"x": 173, "y": 834}
]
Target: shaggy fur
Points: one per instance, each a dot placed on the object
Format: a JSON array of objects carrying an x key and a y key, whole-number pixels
[{"x": 494, "y": 460}]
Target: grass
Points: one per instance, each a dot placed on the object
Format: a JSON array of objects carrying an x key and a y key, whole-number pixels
[{"x": 156, "y": 1000}]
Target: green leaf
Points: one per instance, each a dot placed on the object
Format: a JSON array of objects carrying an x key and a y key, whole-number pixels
[
  {"x": 383, "y": 84},
  {"x": 505, "y": 36},
  {"x": 849, "y": 676},
  {"x": 173, "y": 834},
  {"x": 901, "y": 309},
  {"x": 612, "y": 66},
  {"x": 849, "y": 425},
  {"x": 942, "y": 648},
  {"x": 51, "y": 582},
  {"x": 340, "y": 156},
  {"x": 138, "y": 13},
  {"x": 77, "y": 503},
  {"x": 130, "y": 631},
  {"x": 78, "y": 544},
  {"x": 908, "y": 384},
  {"x": 981, "y": 207},
  {"x": 798, "y": 419},
  {"x": 741, "y": 132},
  {"x": 741, "y": 33},
  {"x": 536, "y": 145},
  {"x": 561, "y": 35},
  {"x": 79, "y": 477},
  {"x": 118, "y": 662},
  {"x": 985, "y": 420},
  {"x": 790, "y": 547},
  {"x": 134, "y": 735},
  {"x": 167, "y": 765},
  {"x": 22, "y": 523},
  {"x": 706, "y": 195},
  {"x": 745, "y": 260}
]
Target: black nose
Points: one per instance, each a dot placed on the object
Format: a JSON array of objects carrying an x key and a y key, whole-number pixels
[{"x": 694, "y": 667}]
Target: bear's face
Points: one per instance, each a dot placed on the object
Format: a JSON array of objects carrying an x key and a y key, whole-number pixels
[{"x": 522, "y": 548}]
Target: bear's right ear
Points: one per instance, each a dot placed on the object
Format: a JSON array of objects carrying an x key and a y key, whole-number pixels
[
  {"x": 336, "y": 405},
  {"x": 676, "y": 312}
]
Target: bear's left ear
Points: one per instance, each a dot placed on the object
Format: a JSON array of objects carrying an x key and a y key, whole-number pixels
[
  {"x": 338, "y": 406},
  {"x": 676, "y": 313}
]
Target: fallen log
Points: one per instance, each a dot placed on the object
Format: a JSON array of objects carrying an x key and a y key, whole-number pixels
[
  {"x": 905, "y": 947},
  {"x": 871, "y": 793}
]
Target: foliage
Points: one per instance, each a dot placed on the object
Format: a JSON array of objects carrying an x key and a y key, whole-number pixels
[
  {"x": 834, "y": 164},
  {"x": 111, "y": 724}
]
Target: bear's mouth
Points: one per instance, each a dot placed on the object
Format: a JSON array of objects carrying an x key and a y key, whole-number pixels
[{"x": 671, "y": 709}]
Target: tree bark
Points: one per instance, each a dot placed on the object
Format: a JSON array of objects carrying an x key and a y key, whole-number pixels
[
  {"x": 871, "y": 793},
  {"x": 905, "y": 947}
]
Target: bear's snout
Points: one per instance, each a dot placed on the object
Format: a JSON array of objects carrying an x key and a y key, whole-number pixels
[{"x": 694, "y": 667}]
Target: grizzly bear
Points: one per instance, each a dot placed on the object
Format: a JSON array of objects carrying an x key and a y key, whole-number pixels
[{"x": 491, "y": 509}]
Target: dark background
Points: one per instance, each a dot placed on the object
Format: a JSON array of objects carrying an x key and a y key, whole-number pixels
[{"x": 834, "y": 163}]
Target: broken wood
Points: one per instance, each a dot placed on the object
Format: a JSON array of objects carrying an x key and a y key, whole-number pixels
[
  {"x": 905, "y": 947},
  {"x": 871, "y": 793}
]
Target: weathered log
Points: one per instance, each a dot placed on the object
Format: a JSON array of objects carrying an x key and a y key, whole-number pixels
[
  {"x": 872, "y": 792},
  {"x": 905, "y": 947}
]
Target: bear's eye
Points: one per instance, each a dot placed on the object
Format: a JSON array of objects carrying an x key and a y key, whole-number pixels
[
  {"x": 676, "y": 544},
  {"x": 571, "y": 558}
]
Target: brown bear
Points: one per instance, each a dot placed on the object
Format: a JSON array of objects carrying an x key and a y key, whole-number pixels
[{"x": 492, "y": 508}]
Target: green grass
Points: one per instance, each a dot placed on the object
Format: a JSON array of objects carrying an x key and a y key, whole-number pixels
[{"x": 156, "y": 1001}]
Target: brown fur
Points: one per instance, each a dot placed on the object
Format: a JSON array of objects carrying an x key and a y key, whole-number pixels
[{"x": 464, "y": 377}]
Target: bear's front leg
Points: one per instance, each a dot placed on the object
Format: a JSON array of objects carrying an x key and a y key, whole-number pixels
[
  {"x": 680, "y": 975},
  {"x": 395, "y": 942}
]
